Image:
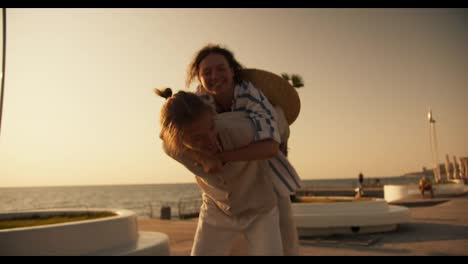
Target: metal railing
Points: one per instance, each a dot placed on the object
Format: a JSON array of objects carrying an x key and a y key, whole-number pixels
[{"x": 187, "y": 207}]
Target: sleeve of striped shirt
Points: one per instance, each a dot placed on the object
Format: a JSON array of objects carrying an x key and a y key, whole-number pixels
[{"x": 260, "y": 111}]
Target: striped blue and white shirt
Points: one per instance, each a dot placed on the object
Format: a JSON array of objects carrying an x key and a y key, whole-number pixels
[{"x": 265, "y": 120}]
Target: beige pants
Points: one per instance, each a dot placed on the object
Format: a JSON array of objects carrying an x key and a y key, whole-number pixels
[
  {"x": 288, "y": 229},
  {"x": 289, "y": 236},
  {"x": 216, "y": 233}
]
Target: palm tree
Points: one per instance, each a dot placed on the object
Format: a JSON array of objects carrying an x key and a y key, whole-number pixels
[{"x": 295, "y": 79}]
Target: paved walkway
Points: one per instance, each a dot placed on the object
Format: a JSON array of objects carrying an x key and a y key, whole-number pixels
[{"x": 435, "y": 229}]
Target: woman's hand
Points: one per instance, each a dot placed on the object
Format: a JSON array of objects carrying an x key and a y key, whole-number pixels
[
  {"x": 208, "y": 161},
  {"x": 211, "y": 164}
]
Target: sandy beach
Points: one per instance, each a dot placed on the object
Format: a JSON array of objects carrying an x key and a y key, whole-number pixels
[{"x": 437, "y": 227}]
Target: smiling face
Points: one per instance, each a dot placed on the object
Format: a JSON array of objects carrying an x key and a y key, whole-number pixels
[
  {"x": 216, "y": 75},
  {"x": 201, "y": 134}
]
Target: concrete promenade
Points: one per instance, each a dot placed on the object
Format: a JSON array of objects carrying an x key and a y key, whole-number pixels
[{"x": 438, "y": 227}]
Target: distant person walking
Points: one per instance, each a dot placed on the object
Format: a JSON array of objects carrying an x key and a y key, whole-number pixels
[{"x": 360, "y": 189}]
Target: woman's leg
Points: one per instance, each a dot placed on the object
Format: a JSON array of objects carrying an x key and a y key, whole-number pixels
[
  {"x": 212, "y": 241},
  {"x": 263, "y": 235},
  {"x": 288, "y": 229},
  {"x": 215, "y": 233}
]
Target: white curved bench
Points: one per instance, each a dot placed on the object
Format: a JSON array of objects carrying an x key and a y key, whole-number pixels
[
  {"x": 114, "y": 235},
  {"x": 327, "y": 218},
  {"x": 399, "y": 192}
]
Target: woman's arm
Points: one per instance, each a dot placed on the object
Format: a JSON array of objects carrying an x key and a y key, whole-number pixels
[
  {"x": 209, "y": 163},
  {"x": 283, "y": 147},
  {"x": 198, "y": 163},
  {"x": 266, "y": 141},
  {"x": 260, "y": 150}
]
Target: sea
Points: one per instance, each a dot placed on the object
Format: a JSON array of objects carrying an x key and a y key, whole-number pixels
[{"x": 145, "y": 200}]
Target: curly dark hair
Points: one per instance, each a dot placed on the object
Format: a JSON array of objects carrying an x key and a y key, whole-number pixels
[{"x": 194, "y": 66}]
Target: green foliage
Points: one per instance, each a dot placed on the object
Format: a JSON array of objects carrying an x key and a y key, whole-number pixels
[
  {"x": 297, "y": 81},
  {"x": 294, "y": 79},
  {"x": 37, "y": 220}
]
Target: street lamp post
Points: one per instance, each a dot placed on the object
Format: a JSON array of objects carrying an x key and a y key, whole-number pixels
[
  {"x": 2, "y": 91},
  {"x": 433, "y": 138}
]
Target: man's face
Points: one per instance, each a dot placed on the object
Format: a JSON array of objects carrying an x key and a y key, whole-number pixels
[{"x": 201, "y": 134}]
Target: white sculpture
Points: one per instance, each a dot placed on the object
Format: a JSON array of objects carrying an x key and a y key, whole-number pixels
[
  {"x": 435, "y": 155},
  {"x": 447, "y": 167}
]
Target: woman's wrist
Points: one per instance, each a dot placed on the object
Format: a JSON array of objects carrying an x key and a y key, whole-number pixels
[{"x": 222, "y": 157}]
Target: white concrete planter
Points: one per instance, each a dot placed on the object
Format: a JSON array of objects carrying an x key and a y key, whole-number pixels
[
  {"x": 399, "y": 192},
  {"x": 313, "y": 219},
  {"x": 115, "y": 235}
]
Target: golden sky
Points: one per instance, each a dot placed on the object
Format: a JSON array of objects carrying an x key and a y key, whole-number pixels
[{"x": 79, "y": 107}]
